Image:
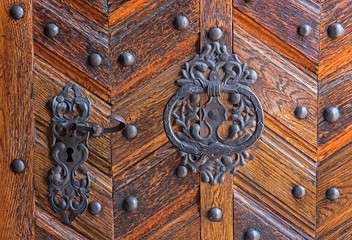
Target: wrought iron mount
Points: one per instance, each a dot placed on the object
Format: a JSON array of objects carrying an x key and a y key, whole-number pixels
[
  {"x": 214, "y": 117},
  {"x": 69, "y": 181}
]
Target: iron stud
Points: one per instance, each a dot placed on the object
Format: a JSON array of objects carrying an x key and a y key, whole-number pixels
[
  {"x": 130, "y": 204},
  {"x": 251, "y": 234},
  {"x": 95, "y": 60},
  {"x": 336, "y": 31},
  {"x": 18, "y": 166},
  {"x": 301, "y": 112},
  {"x": 181, "y": 23},
  {"x": 130, "y": 131},
  {"x": 215, "y": 33},
  {"x": 94, "y": 207},
  {"x": 304, "y": 30},
  {"x": 126, "y": 59},
  {"x": 215, "y": 214},
  {"x": 51, "y": 30},
  {"x": 181, "y": 171},
  {"x": 332, "y": 194},
  {"x": 331, "y": 114},
  {"x": 298, "y": 191},
  {"x": 17, "y": 12}
]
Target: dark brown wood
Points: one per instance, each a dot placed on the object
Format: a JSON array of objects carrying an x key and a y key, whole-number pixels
[
  {"x": 252, "y": 214},
  {"x": 163, "y": 45},
  {"x": 75, "y": 41},
  {"x": 334, "y": 171},
  {"x": 161, "y": 196},
  {"x": 17, "y": 124},
  {"x": 283, "y": 19},
  {"x": 312, "y": 71},
  {"x": 281, "y": 86},
  {"x": 48, "y": 82}
]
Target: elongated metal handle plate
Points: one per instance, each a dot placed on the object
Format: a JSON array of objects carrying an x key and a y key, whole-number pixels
[
  {"x": 214, "y": 117},
  {"x": 69, "y": 193}
]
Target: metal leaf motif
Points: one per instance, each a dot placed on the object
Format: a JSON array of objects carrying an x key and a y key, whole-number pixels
[
  {"x": 198, "y": 105},
  {"x": 69, "y": 181}
]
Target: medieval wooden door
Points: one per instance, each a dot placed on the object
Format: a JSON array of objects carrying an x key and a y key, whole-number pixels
[{"x": 125, "y": 57}]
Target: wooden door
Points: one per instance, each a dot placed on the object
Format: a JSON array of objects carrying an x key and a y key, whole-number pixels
[{"x": 125, "y": 57}]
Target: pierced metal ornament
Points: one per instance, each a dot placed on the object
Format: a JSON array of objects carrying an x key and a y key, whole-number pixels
[
  {"x": 69, "y": 181},
  {"x": 214, "y": 99}
]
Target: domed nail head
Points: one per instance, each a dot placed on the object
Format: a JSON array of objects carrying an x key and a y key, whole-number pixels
[
  {"x": 305, "y": 30},
  {"x": 130, "y": 204},
  {"x": 130, "y": 131},
  {"x": 126, "y": 59},
  {"x": 51, "y": 30},
  {"x": 301, "y": 112},
  {"x": 298, "y": 191},
  {"x": 16, "y": 12},
  {"x": 181, "y": 23},
  {"x": 95, "y": 60},
  {"x": 215, "y": 33},
  {"x": 251, "y": 234},
  {"x": 18, "y": 166},
  {"x": 336, "y": 30},
  {"x": 215, "y": 214},
  {"x": 332, "y": 194},
  {"x": 94, "y": 207},
  {"x": 331, "y": 114}
]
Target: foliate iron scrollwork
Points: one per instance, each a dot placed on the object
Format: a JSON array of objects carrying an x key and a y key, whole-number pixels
[
  {"x": 69, "y": 181},
  {"x": 214, "y": 116}
]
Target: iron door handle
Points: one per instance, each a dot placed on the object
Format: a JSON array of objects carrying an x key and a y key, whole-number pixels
[{"x": 71, "y": 129}]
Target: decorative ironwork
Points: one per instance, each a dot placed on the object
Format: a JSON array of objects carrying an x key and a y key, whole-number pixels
[
  {"x": 196, "y": 118},
  {"x": 69, "y": 180}
]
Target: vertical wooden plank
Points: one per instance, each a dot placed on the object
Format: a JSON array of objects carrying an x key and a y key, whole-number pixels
[
  {"x": 217, "y": 13},
  {"x": 16, "y": 119}
]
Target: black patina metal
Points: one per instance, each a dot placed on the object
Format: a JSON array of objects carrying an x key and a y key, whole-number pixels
[
  {"x": 69, "y": 180},
  {"x": 212, "y": 74}
]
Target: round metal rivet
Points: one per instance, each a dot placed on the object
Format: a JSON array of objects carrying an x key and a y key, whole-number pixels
[
  {"x": 298, "y": 191},
  {"x": 18, "y": 166},
  {"x": 126, "y": 59},
  {"x": 213, "y": 114},
  {"x": 51, "y": 30},
  {"x": 130, "y": 203},
  {"x": 181, "y": 171},
  {"x": 181, "y": 23},
  {"x": 331, "y": 114},
  {"x": 130, "y": 131},
  {"x": 304, "y": 30},
  {"x": 215, "y": 33},
  {"x": 17, "y": 12},
  {"x": 215, "y": 214},
  {"x": 301, "y": 112},
  {"x": 95, "y": 60},
  {"x": 251, "y": 234},
  {"x": 252, "y": 75},
  {"x": 336, "y": 30},
  {"x": 94, "y": 207},
  {"x": 332, "y": 194}
]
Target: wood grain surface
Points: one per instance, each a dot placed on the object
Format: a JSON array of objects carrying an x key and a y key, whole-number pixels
[
  {"x": 216, "y": 14},
  {"x": 17, "y": 125}
]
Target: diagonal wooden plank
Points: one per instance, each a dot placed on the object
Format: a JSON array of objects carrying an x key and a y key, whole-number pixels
[
  {"x": 284, "y": 19},
  {"x": 269, "y": 224}
]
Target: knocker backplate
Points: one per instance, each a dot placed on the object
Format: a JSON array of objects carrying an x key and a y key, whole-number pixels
[{"x": 214, "y": 117}]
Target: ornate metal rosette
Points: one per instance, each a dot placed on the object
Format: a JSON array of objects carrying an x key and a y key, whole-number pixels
[
  {"x": 214, "y": 116},
  {"x": 69, "y": 181}
]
